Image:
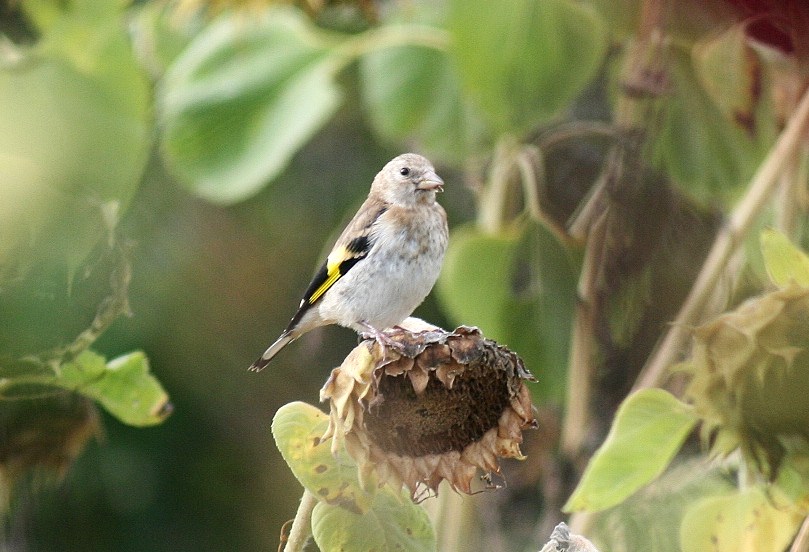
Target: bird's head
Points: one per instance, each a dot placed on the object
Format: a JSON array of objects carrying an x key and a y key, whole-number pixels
[{"x": 408, "y": 179}]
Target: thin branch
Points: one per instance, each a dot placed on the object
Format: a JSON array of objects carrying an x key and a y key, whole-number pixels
[
  {"x": 302, "y": 525},
  {"x": 531, "y": 165},
  {"x": 761, "y": 189}
]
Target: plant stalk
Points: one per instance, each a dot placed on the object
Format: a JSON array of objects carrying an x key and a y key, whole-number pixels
[
  {"x": 730, "y": 236},
  {"x": 801, "y": 542},
  {"x": 302, "y": 525}
]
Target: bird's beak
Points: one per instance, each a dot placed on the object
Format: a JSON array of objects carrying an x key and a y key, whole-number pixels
[{"x": 431, "y": 182}]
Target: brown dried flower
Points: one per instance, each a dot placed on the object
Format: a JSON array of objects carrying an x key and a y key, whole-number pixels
[{"x": 428, "y": 407}]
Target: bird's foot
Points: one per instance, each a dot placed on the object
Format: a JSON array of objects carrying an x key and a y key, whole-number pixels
[{"x": 382, "y": 337}]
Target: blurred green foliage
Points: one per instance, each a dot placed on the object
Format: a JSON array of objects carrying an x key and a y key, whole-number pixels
[{"x": 209, "y": 155}]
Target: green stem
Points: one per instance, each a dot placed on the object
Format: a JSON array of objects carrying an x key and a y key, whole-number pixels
[
  {"x": 493, "y": 202},
  {"x": 302, "y": 525},
  {"x": 388, "y": 36}
]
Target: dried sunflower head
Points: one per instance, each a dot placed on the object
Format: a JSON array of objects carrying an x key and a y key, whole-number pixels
[
  {"x": 431, "y": 406},
  {"x": 751, "y": 378}
]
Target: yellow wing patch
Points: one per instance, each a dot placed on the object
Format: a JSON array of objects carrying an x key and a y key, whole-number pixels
[{"x": 336, "y": 258}]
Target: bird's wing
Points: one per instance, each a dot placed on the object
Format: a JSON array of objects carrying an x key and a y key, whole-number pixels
[{"x": 351, "y": 247}]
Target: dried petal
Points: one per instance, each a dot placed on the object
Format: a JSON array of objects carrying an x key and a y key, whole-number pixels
[{"x": 434, "y": 406}]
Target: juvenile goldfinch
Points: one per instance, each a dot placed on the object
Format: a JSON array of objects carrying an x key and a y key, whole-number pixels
[{"x": 384, "y": 263}]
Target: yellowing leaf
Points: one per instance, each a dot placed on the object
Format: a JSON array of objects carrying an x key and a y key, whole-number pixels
[
  {"x": 297, "y": 428},
  {"x": 393, "y": 523},
  {"x": 785, "y": 263},
  {"x": 747, "y": 521},
  {"x": 698, "y": 147},
  {"x": 729, "y": 72}
]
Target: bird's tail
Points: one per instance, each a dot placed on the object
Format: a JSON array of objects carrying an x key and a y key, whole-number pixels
[{"x": 272, "y": 350}]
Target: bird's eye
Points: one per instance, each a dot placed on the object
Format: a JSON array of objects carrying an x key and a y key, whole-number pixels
[{"x": 404, "y": 171}]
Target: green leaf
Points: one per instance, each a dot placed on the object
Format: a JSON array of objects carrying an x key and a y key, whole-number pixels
[
  {"x": 525, "y": 61},
  {"x": 785, "y": 263},
  {"x": 747, "y": 521},
  {"x": 123, "y": 386},
  {"x": 74, "y": 134},
  {"x": 242, "y": 99},
  {"x": 413, "y": 92},
  {"x": 518, "y": 287},
  {"x": 392, "y": 523},
  {"x": 297, "y": 428},
  {"x": 159, "y": 36},
  {"x": 650, "y": 519},
  {"x": 701, "y": 149},
  {"x": 729, "y": 73},
  {"x": 478, "y": 293},
  {"x": 649, "y": 429}
]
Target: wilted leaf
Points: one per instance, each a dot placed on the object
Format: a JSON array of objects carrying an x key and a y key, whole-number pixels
[
  {"x": 747, "y": 521},
  {"x": 648, "y": 430},
  {"x": 392, "y": 523},
  {"x": 124, "y": 386},
  {"x": 242, "y": 99},
  {"x": 297, "y": 428},
  {"x": 785, "y": 263},
  {"x": 525, "y": 60}
]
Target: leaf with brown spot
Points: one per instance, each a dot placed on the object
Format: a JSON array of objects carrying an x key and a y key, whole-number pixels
[
  {"x": 392, "y": 523},
  {"x": 730, "y": 73},
  {"x": 297, "y": 428}
]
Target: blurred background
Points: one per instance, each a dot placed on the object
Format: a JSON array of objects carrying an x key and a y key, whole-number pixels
[{"x": 175, "y": 171}]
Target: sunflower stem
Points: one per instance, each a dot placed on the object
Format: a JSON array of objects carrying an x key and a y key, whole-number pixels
[
  {"x": 302, "y": 525},
  {"x": 761, "y": 190}
]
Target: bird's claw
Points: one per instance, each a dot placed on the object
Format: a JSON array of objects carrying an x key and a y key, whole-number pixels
[{"x": 384, "y": 338}]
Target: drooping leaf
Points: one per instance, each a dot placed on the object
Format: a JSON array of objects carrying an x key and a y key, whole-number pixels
[
  {"x": 747, "y": 521},
  {"x": 649, "y": 420},
  {"x": 784, "y": 262},
  {"x": 524, "y": 61},
  {"x": 297, "y": 428},
  {"x": 242, "y": 99},
  {"x": 518, "y": 287},
  {"x": 392, "y": 523},
  {"x": 124, "y": 386}
]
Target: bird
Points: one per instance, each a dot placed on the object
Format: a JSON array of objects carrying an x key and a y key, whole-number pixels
[{"x": 385, "y": 262}]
